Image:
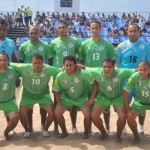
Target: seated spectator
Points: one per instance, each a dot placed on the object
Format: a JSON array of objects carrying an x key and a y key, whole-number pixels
[
  {"x": 122, "y": 32},
  {"x": 109, "y": 32},
  {"x": 115, "y": 34}
]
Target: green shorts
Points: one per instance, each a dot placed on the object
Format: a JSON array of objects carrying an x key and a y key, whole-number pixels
[
  {"x": 29, "y": 102},
  {"x": 140, "y": 108},
  {"x": 107, "y": 102},
  {"x": 9, "y": 107},
  {"x": 68, "y": 103}
]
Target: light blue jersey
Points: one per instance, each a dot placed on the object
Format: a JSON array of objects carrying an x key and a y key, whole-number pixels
[
  {"x": 8, "y": 46},
  {"x": 129, "y": 55}
]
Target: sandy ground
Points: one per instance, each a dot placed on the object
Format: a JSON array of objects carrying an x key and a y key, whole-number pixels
[{"x": 73, "y": 141}]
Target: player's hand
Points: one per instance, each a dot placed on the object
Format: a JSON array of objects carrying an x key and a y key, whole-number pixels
[{"x": 88, "y": 103}]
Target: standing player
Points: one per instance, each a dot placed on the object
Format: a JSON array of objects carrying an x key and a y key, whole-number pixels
[
  {"x": 129, "y": 54},
  {"x": 69, "y": 90},
  {"x": 7, "y": 99},
  {"x": 35, "y": 79},
  {"x": 92, "y": 53},
  {"x": 27, "y": 51},
  {"x": 141, "y": 82},
  {"x": 110, "y": 91},
  {"x": 7, "y": 45},
  {"x": 61, "y": 47}
]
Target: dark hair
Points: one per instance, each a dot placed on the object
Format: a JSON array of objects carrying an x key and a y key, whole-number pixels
[
  {"x": 133, "y": 24},
  {"x": 112, "y": 61},
  {"x": 37, "y": 56},
  {"x": 69, "y": 58},
  {"x": 63, "y": 22},
  {"x": 3, "y": 22},
  {"x": 95, "y": 21},
  {"x": 4, "y": 54},
  {"x": 145, "y": 63}
]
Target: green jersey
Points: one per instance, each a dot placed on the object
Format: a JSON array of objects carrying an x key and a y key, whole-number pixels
[
  {"x": 93, "y": 53},
  {"x": 72, "y": 86},
  {"x": 62, "y": 48},
  {"x": 141, "y": 86},
  {"x": 35, "y": 85},
  {"x": 27, "y": 51},
  {"x": 110, "y": 87},
  {"x": 7, "y": 84}
]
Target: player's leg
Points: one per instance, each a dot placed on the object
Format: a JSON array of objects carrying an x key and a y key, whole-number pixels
[
  {"x": 43, "y": 114},
  {"x": 95, "y": 116},
  {"x": 106, "y": 115},
  {"x": 141, "y": 118},
  {"x": 87, "y": 121},
  {"x": 121, "y": 121},
  {"x": 73, "y": 116},
  {"x": 30, "y": 120}
]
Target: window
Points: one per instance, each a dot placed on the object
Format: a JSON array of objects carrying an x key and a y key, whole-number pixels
[{"x": 66, "y": 3}]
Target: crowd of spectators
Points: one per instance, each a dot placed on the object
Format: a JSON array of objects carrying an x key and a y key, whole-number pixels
[{"x": 113, "y": 27}]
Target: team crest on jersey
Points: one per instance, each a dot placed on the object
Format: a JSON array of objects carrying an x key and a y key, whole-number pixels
[
  {"x": 27, "y": 49},
  {"x": 101, "y": 48},
  {"x": 58, "y": 45},
  {"x": 115, "y": 80},
  {"x": 10, "y": 76},
  {"x": 76, "y": 80},
  {"x": 18, "y": 65},
  {"x": 141, "y": 46},
  {"x": 70, "y": 45},
  {"x": 101, "y": 78},
  {"x": 42, "y": 75},
  {"x": 64, "y": 81},
  {"x": 139, "y": 83},
  {"x": 29, "y": 73},
  {"x": 10, "y": 44},
  {"x": 40, "y": 48},
  {"x": 88, "y": 47}
]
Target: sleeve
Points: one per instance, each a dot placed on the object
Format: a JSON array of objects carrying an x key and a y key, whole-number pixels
[
  {"x": 118, "y": 55},
  {"x": 48, "y": 52},
  {"x": 148, "y": 54},
  {"x": 56, "y": 86},
  {"x": 130, "y": 84},
  {"x": 52, "y": 50},
  {"x": 53, "y": 71},
  {"x": 111, "y": 52},
  {"x": 77, "y": 45},
  {"x": 127, "y": 72},
  {"x": 87, "y": 76},
  {"x": 17, "y": 67},
  {"x": 21, "y": 54},
  {"x": 81, "y": 51},
  {"x": 14, "y": 47}
]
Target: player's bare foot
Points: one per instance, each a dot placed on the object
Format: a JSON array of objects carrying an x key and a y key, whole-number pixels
[
  {"x": 64, "y": 134},
  {"x": 74, "y": 130},
  {"x": 6, "y": 136},
  {"x": 56, "y": 132},
  {"x": 118, "y": 139},
  {"x": 103, "y": 137},
  {"x": 86, "y": 135}
]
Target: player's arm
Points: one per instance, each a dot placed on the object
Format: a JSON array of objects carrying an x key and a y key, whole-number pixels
[
  {"x": 126, "y": 100},
  {"x": 93, "y": 94}
]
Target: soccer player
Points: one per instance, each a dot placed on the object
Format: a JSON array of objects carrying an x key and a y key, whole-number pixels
[
  {"x": 129, "y": 54},
  {"x": 69, "y": 91},
  {"x": 7, "y": 99},
  {"x": 92, "y": 53},
  {"x": 61, "y": 47},
  {"x": 7, "y": 45},
  {"x": 35, "y": 79},
  {"x": 141, "y": 82},
  {"x": 26, "y": 52},
  {"x": 110, "y": 91}
]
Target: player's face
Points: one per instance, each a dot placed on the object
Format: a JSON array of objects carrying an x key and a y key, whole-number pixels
[
  {"x": 3, "y": 31},
  {"x": 133, "y": 33},
  {"x": 62, "y": 30},
  {"x": 108, "y": 69},
  {"x": 37, "y": 64},
  {"x": 4, "y": 62},
  {"x": 95, "y": 30},
  {"x": 143, "y": 71},
  {"x": 69, "y": 66},
  {"x": 34, "y": 35}
]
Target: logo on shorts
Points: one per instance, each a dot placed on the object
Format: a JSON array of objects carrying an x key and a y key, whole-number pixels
[
  {"x": 76, "y": 80},
  {"x": 115, "y": 80},
  {"x": 40, "y": 48},
  {"x": 70, "y": 45},
  {"x": 10, "y": 76},
  {"x": 64, "y": 81}
]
